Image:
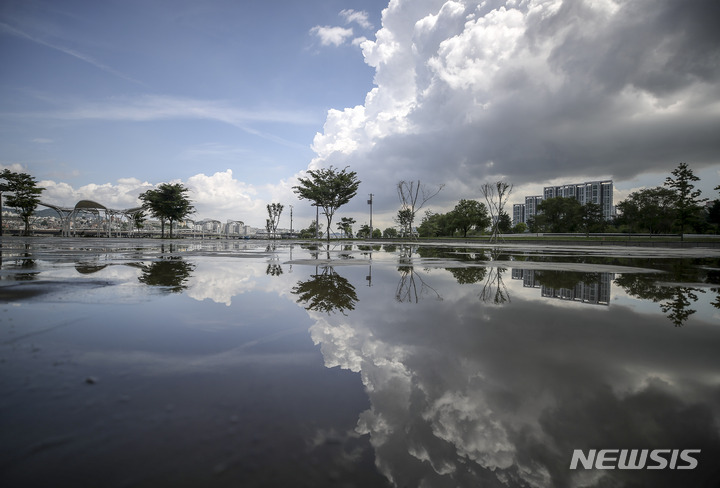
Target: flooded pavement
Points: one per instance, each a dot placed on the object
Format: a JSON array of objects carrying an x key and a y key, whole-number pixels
[{"x": 239, "y": 363}]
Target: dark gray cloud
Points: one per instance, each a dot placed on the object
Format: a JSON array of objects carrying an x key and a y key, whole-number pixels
[{"x": 533, "y": 91}]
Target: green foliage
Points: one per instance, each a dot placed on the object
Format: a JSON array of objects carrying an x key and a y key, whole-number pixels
[
  {"x": 312, "y": 231},
  {"x": 405, "y": 219},
  {"x": 559, "y": 214},
  {"x": 649, "y": 210},
  {"x": 390, "y": 233},
  {"x": 504, "y": 223},
  {"x": 376, "y": 234},
  {"x": 167, "y": 202},
  {"x": 469, "y": 214},
  {"x": 687, "y": 201},
  {"x": 328, "y": 188},
  {"x": 326, "y": 292},
  {"x": 345, "y": 226},
  {"x": 24, "y": 195},
  {"x": 364, "y": 231},
  {"x": 520, "y": 228}
]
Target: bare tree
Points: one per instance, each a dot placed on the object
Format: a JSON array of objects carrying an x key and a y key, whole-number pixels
[
  {"x": 271, "y": 224},
  {"x": 413, "y": 196},
  {"x": 496, "y": 195}
]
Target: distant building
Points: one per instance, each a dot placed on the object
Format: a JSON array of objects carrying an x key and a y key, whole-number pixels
[
  {"x": 518, "y": 213},
  {"x": 598, "y": 192},
  {"x": 531, "y": 206}
]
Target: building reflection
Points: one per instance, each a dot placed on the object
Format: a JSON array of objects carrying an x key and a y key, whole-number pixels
[{"x": 589, "y": 288}]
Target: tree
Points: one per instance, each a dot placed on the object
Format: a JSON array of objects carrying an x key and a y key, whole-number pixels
[
  {"x": 496, "y": 195},
  {"x": 390, "y": 233},
  {"x": 345, "y": 226},
  {"x": 469, "y": 214},
  {"x": 591, "y": 218},
  {"x": 650, "y": 209},
  {"x": 404, "y": 219},
  {"x": 274, "y": 211},
  {"x": 520, "y": 228},
  {"x": 504, "y": 223},
  {"x": 167, "y": 202},
  {"x": 364, "y": 231},
  {"x": 413, "y": 196},
  {"x": 558, "y": 214},
  {"x": 24, "y": 195},
  {"x": 311, "y": 231},
  {"x": 329, "y": 189},
  {"x": 687, "y": 203}
]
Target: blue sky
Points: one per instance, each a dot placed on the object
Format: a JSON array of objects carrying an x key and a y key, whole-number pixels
[{"x": 235, "y": 99}]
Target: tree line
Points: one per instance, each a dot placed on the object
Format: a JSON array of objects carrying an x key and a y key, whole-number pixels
[{"x": 674, "y": 207}]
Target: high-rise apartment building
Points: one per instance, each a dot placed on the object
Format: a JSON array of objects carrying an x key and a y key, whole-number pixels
[{"x": 598, "y": 192}]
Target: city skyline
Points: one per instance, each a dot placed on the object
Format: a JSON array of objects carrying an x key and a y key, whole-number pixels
[{"x": 235, "y": 101}]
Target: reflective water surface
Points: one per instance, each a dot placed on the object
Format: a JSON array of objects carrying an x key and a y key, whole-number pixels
[{"x": 237, "y": 363}]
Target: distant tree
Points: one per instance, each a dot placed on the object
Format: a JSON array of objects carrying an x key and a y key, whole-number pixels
[
  {"x": 24, "y": 195},
  {"x": 504, "y": 223},
  {"x": 138, "y": 220},
  {"x": 328, "y": 188},
  {"x": 345, "y": 226},
  {"x": 167, "y": 202},
  {"x": 413, "y": 196},
  {"x": 312, "y": 231},
  {"x": 364, "y": 231},
  {"x": 687, "y": 201},
  {"x": 274, "y": 210},
  {"x": 520, "y": 228},
  {"x": 559, "y": 214},
  {"x": 496, "y": 196},
  {"x": 591, "y": 218},
  {"x": 469, "y": 214},
  {"x": 390, "y": 233},
  {"x": 405, "y": 219},
  {"x": 650, "y": 209},
  {"x": 376, "y": 234}
]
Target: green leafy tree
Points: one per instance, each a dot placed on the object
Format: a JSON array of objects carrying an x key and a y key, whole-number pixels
[
  {"x": 24, "y": 195},
  {"x": 591, "y": 218},
  {"x": 345, "y": 226},
  {"x": 376, "y": 233},
  {"x": 650, "y": 209},
  {"x": 167, "y": 202},
  {"x": 559, "y": 214},
  {"x": 520, "y": 228},
  {"x": 687, "y": 201},
  {"x": 504, "y": 223},
  {"x": 470, "y": 214},
  {"x": 390, "y": 233},
  {"x": 326, "y": 292},
  {"x": 405, "y": 219},
  {"x": 312, "y": 231},
  {"x": 328, "y": 188}
]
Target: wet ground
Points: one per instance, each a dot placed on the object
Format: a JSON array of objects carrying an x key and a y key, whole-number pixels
[{"x": 240, "y": 363}]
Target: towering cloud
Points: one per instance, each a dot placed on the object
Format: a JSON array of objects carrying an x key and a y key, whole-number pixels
[{"x": 531, "y": 91}]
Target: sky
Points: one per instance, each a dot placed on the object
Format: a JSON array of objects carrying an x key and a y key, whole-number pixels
[{"x": 237, "y": 99}]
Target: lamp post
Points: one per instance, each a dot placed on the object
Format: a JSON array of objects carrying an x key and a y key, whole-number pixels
[
  {"x": 370, "y": 203},
  {"x": 291, "y": 223}
]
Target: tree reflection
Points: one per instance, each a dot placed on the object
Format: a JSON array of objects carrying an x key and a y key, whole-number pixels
[
  {"x": 468, "y": 276},
  {"x": 327, "y": 292},
  {"x": 273, "y": 269},
  {"x": 676, "y": 299},
  {"x": 678, "y": 308},
  {"x": 171, "y": 273},
  {"x": 407, "y": 290},
  {"x": 494, "y": 289}
]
